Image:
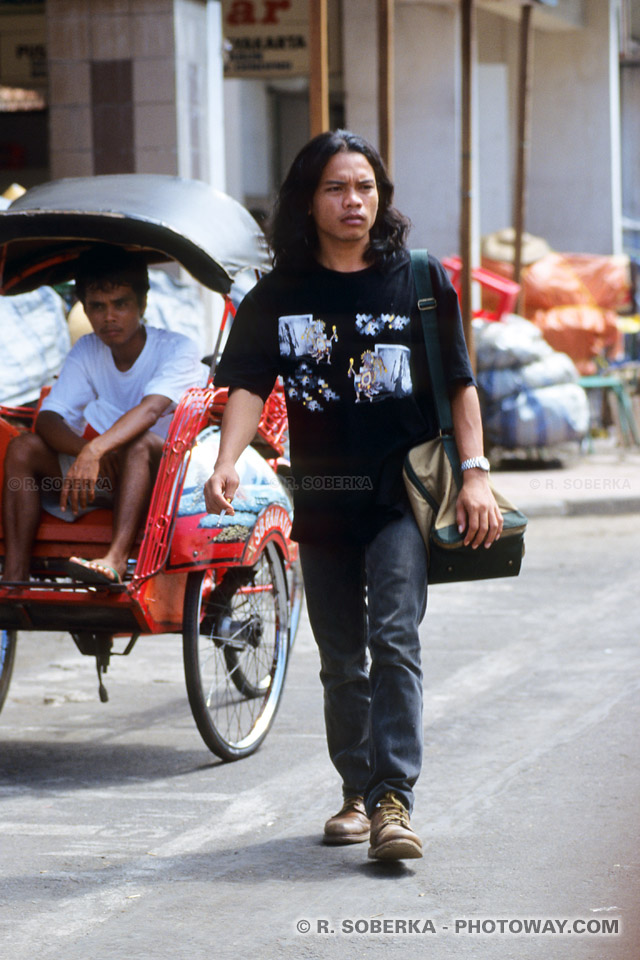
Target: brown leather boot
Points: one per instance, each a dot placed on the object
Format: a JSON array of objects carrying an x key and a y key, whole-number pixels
[
  {"x": 391, "y": 836},
  {"x": 349, "y": 825}
]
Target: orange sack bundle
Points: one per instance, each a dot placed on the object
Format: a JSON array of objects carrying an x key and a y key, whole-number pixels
[
  {"x": 573, "y": 299},
  {"x": 560, "y": 279},
  {"x": 581, "y": 331}
]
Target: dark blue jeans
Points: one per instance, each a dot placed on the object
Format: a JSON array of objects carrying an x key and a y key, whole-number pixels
[{"x": 371, "y": 597}]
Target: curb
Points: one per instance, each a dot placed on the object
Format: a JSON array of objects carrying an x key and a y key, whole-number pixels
[{"x": 581, "y": 508}]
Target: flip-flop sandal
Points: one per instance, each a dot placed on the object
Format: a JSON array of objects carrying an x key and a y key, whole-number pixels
[{"x": 84, "y": 571}]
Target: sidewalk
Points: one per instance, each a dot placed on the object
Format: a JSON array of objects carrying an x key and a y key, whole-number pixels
[{"x": 570, "y": 483}]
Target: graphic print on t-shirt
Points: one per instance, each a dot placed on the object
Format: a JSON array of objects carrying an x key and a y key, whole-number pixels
[
  {"x": 383, "y": 372},
  {"x": 302, "y": 336},
  {"x": 308, "y": 387},
  {"x": 371, "y": 326},
  {"x": 380, "y": 373}
]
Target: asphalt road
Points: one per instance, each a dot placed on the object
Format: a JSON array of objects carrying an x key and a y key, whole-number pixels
[{"x": 122, "y": 837}]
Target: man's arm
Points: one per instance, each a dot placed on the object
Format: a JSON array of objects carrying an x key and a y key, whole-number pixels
[
  {"x": 79, "y": 483},
  {"x": 477, "y": 512},
  {"x": 239, "y": 424},
  {"x": 57, "y": 434},
  {"x": 130, "y": 425}
]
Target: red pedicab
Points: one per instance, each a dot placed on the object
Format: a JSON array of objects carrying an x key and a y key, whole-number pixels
[{"x": 229, "y": 585}]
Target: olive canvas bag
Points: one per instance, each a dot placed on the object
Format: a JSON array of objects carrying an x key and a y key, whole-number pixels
[{"x": 433, "y": 478}]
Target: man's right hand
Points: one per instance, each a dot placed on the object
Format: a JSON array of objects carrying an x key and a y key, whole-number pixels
[
  {"x": 239, "y": 424},
  {"x": 220, "y": 489},
  {"x": 78, "y": 487}
]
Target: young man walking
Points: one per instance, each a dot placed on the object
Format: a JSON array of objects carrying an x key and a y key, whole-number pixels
[{"x": 337, "y": 318}]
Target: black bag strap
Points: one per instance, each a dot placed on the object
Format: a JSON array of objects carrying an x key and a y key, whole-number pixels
[
  {"x": 428, "y": 312},
  {"x": 428, "y": 315}
]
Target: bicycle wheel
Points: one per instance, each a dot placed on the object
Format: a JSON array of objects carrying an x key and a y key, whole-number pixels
[
  {"x": 8, "y": 640},
  {"x": 296, "y": 599},
  {"x": 235, "y": 645}
]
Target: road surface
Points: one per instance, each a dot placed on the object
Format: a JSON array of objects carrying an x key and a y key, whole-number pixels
[{"x": 122, "y": 837}]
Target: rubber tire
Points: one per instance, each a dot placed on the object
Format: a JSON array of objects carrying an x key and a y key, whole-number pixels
[
  {"x": 296, "y": 600},
  {"x": 237, "y": 721},
  {"x": 8, "y": 642}
]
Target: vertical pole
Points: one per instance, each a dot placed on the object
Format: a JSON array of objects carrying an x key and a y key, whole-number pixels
[
  {"x": 318, "y": 67},
  {"x": 386, "y": 81},
  {"x": 524, "y": 98},
  {"x": 466, "y": 171}
]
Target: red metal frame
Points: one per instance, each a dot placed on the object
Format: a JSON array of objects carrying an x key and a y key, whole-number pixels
[
  {"x": 507, "y": 290},
  {"x": 28, "y": 271},
  {"x": 190, "y": 417},
  {"x": 149, "y": 603}
]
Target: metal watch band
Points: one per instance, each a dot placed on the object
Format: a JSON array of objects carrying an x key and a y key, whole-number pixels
[{"x": 472, "y": 462}]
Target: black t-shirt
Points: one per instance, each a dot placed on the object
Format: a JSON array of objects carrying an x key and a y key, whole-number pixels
[{"x": 350, "y": 350}]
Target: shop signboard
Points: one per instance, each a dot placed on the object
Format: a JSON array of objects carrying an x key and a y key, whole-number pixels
[
  {"x": 23, "y": 54},
  {"x": 23, "y": 57},
  {"x": 266, "y": 39}
]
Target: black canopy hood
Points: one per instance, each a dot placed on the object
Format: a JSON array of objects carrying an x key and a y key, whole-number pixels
[{"x": 44, "y": 231}]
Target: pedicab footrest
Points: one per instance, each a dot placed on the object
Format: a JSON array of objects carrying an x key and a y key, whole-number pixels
[{"x": 78, "y": 587}]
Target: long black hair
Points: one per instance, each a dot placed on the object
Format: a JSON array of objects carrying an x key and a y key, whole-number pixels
[{"x": 292, "y": 232}]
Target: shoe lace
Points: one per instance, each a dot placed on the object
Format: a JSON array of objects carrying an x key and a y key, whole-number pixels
[
  {"x": 393, "y": 810},
  {"x": 352, "y": 803}
]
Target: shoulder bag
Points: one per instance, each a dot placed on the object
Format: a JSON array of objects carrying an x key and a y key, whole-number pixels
[{"x": 433, "y": 478}]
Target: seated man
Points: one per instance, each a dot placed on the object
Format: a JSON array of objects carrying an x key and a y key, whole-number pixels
[{"x": 102, "y": 427}]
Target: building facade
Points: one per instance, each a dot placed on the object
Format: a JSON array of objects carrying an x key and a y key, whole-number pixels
[{"x": 151, "y": 86}]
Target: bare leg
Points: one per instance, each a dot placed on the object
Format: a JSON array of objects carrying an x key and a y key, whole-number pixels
[
  {"x": 28, "y": 460},
  {"x": 138, "y": 466}
]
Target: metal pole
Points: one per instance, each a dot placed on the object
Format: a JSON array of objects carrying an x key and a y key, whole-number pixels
[
  {"x": 386, "y": 81},
  {"x": 318, "y": 67},
  {"x": 524, "y": 99},
  {"x": 466, "y": 170}
]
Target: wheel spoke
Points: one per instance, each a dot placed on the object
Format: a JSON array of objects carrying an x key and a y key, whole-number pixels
[{"x": 235, "y": 665}]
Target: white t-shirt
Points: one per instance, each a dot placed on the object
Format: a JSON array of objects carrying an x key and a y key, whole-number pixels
[{"x": 91, "y": 390}]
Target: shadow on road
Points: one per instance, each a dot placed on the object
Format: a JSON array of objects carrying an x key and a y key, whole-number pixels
[
  {"x": 285, "y": 860},
  {"x": 80, "y": 764}
]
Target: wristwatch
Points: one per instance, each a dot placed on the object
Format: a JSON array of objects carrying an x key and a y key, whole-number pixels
[{"x": 472, "y": 462}]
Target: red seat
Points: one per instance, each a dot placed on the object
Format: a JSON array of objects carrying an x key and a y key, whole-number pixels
[
  {"x": 88, "y": 536},
  {"x": 507, "y": 290}
]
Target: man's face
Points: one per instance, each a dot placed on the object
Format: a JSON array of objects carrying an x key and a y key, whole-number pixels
[
  {"x": 345, "y": 204},
  {"x": 114, "y": 313}
]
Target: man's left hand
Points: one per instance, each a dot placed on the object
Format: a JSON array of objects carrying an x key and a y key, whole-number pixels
[{"x": 477, "y": 513}]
